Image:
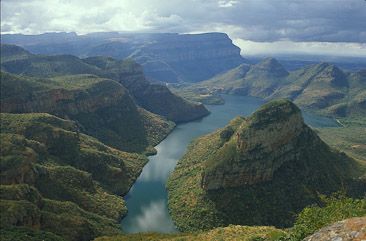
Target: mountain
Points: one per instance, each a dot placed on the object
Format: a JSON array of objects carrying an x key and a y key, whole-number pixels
[
  {"x": 101, "y": 107},
  {"x": 153, "y": 97},
  {"x": 166, "y": 57},
  {"x": 259, "y": 170},
  {"x": 321, "y": 87},
  {"x": 72, "y": 194}
]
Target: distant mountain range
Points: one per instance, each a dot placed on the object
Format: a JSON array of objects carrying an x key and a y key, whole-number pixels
[
  {"x": 320, "y": 87},
  {"x": 166, "y": 57}
]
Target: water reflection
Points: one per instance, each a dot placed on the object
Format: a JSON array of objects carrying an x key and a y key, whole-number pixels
[
  {"x": 147, "y": 199},
  {"x": 153, "y": 216}
]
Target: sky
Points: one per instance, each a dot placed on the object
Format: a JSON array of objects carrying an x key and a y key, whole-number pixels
[{"x": 330, "y": 27}]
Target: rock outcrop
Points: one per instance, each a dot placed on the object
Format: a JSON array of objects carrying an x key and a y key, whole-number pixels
[
  {"x": 263, "y": 143},
  {"x": 353, "y": 229}
]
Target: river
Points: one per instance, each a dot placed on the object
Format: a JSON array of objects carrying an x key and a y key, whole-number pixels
[{"x": 147, "y": 199}]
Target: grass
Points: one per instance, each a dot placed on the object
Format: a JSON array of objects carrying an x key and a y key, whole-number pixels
[
  {"x": 349, "y": 138},
  {"x": 232, "y": 232}
]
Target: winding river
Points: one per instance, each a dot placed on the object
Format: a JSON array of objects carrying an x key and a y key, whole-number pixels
[{"x": 147, "y": 199}]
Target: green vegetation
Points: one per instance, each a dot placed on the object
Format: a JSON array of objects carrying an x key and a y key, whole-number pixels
[
  {"x": 232, "y": 232},
  {"x": 27, "y": 234},
  {"x": 313, "y": 169},
  {"x": 69, "y": 193},
  {"x": 197, "y": 95},
  {"x": 101, "y": 107},
  {"x": 323, "y": 87},
  {"x": 350, "y": 137},
  {"x": 331, "y": 209},
  {"x": 62, "y": 69}
]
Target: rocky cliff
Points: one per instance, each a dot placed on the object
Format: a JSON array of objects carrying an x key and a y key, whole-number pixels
[
  {"x": 156, "y": 98},
  {"x": 153, "y": 97},
  {"x": 262, "y": 144},
  {"x": 103, "y": 108},
  {"x": 166, "y": 57},
  {"x": 257, "y": 170}
]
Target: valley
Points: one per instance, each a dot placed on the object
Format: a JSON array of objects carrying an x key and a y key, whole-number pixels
[{"x": 117, "y": 136}]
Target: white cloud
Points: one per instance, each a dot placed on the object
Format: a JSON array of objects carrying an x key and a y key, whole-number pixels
[
  {"x": 227, "y": 3},
  {"x": 289, "y": 47}
]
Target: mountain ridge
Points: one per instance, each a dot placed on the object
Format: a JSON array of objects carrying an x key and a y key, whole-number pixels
[{"x": 203, "y": 54}]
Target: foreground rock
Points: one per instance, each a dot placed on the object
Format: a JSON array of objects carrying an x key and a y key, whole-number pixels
[
  {"x": 259, "y": 170},
  {"x": 353, "y": 229}
]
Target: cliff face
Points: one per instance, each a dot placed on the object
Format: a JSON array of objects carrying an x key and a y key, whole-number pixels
[
  {"x": 156, "y": 98},
  {"x": 103, "y": 108},
  {"x": 191, "y": 58},
  {"x": 153, "y": 97},
  {"x": 262, "y": 144},
  {"x": 259, "y": 170},
  {"x": 164, "y": 57}
]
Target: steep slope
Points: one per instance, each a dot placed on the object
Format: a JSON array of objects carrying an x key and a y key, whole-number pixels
[
  {"x": 153, "y": 97},
  {"x": 167, "y": 57},
  {"x": 259, "y": 80},
  {"x": 321, "y": 87},
  {"x": 256, "y": 171},
  {"x": 102, "y": 107},
  {"x": 317, "y": 86},
  {"x": 69, "y": 193}
]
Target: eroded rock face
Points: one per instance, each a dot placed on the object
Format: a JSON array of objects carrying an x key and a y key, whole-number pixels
[
  {"x": 350, "y": 229},
  {"x": 270, "y": 137}
]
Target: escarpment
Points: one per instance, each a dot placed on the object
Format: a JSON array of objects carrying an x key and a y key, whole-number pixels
[
  {"x": 156, "y": 98},
  {"x": 101, "y": 107},
  {"x": 166, "y": 57},
  {"x": 258, "y": 170}
]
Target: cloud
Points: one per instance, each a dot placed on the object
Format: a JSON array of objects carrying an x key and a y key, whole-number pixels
[
  {"x": 276, "y": 22},
  {"x": 302, "y": 48}
]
